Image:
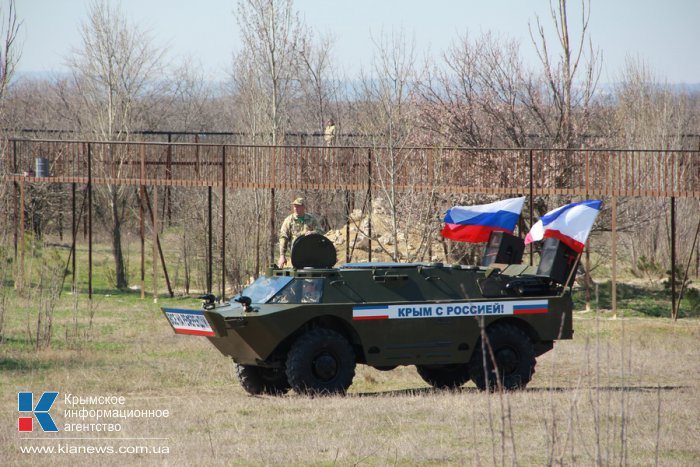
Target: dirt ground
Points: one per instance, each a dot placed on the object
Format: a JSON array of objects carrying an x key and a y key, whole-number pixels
[{"x": 623, "y": 391}]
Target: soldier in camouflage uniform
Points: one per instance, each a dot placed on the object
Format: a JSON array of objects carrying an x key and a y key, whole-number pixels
[{"x": 296, "y": 224}]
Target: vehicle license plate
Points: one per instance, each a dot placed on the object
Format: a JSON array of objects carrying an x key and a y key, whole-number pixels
[{"x": 189, "y": 322}]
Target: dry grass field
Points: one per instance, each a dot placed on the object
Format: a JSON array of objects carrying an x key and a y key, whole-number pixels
[{"x": 624, "y": 391}]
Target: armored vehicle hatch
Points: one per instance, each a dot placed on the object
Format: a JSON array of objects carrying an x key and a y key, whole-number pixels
[{"x": 313, "y": 251}]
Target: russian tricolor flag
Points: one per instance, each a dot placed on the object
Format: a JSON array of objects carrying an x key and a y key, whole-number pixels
[
  {"x": 531, "y": 308},
  {"x": 475, "y": 223},
  {"x": 571, "y": 224}
]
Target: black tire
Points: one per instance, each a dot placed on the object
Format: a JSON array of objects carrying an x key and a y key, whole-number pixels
[
  {"x": 444, "y": 376},
  {"x": 321, "y": 361},
  {"x": 259, "y": 380},
  {"x": 515, "y": 358}
]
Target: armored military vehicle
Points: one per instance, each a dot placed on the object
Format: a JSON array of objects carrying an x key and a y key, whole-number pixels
[{"x": 306, "y": 327}]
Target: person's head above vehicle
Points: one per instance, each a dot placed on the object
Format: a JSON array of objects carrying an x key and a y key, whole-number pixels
[{"x": 298, "y": 206}]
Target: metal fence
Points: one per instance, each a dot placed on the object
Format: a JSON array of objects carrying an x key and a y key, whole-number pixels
[
  {"x": 451, "y": 170},
  {"x": 533, "y": 172}
]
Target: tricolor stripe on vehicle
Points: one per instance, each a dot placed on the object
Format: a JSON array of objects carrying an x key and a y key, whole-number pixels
[
  {"x": 531, "y": 309},
  {"x": 370, "y": 312}
]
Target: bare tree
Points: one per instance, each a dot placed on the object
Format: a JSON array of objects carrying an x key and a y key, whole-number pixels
[
  {"x": 267, "y": 76},
  {"x": 115, "y": 70},
  {"x": 477, "y": 96},
  {"x": 9, "y": 55},
  {"x": 192, "y": 97},
  {"x": 320, "y": 91},
  {"x": 387, "y": 101},
  {"x": 33, "y": 103},
  {"x": 483, "y": 95},
  {"x": 649, "y": 115},
  {"x": 272, "y": 34},
  {"x": 10, "y": 52},
  {"x": 570, "y": 81},
  {"x": 117, "y": 73},
  {"x": 248, "y": 92}
]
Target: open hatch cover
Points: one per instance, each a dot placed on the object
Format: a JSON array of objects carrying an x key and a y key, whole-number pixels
[{"x": 313, "y": 251}]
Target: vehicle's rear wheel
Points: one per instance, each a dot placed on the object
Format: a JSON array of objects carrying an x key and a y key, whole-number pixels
[
  {"x": 259, "y": 380},
  {"x": 514, "y": 354},
  {"x": 444, "y": 376},
  {"x": 321, "y": 361}
]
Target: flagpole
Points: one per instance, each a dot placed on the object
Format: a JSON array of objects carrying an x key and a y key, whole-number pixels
[
  {"x": 588, "y": 277},
  {"x": 571, "y": 273},
  {"x": 532, "y": 200}
]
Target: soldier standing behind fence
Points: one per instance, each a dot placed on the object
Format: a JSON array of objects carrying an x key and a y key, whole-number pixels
[{"x": 329, "y": 133}]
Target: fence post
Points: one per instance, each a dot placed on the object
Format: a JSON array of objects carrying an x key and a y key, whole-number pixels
[
  {"x": 20, "y": 276},
  {"x": 674, "y": 305},
  {"x": 169, "y": 176},
  {"x": 89, "y": 217},
  {"x": 16, "y": 195},
  {"x": 223, "y": 223},
  {"x": 74, "y": 230},
  {"x": 347, "y": 225},
  {"x": 196, "y": 156},
  {"x": 587, "y": 276},
  {"x": 142, "y": 222},
  {"x": 273, "y": 167},
  {"x": 154, "y": 213},
  {"x": 369, "y": 196},
  {"x": 613, "y": 291},
  {"x": 272, "y": 226},
  {"x": 210, "y": 279}
]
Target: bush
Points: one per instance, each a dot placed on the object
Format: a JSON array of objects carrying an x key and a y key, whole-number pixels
[
  {"x": 681, "y": 280},
  {"x": 647, "y": 269},
  {"x": 692, "y": 301}
]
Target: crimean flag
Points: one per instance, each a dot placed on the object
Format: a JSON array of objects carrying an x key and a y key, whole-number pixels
[
  {"x": 571, "y": 224},
  {"x": 474, "y": 224}
]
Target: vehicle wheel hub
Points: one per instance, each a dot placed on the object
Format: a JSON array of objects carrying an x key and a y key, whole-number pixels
[
  {"x": 507, "y": 360},
  {"x": 325, "y": 367}
]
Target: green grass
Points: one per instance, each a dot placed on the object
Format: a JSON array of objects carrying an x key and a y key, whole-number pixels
[
  {"x": 57, "y": 255},
  {"x": 634, "y": 299}
]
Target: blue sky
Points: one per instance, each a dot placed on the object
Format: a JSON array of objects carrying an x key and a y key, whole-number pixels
[{"x": 664, "y": 33}]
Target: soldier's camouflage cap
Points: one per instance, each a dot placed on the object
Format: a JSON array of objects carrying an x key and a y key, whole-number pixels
[{"x": 298, "y": 201}]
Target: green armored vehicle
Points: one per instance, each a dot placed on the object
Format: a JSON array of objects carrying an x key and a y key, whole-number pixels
[{"x": 307, "y": 327}]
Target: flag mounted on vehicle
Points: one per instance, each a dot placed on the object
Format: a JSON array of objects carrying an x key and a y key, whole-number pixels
[
  {"x": 474, "y": 224},
  {"x": 571, "y": 224}
]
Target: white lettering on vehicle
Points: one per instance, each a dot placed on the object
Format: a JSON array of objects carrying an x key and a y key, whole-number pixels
[{"x": 434, "y": 310}]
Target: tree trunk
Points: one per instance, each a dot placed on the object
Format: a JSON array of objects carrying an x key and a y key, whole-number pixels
[{"x": 119, "y": 267}]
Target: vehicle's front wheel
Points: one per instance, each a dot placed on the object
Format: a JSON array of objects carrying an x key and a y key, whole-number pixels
[
  {"x": 258, "y": 380},
  {"x": 444, "y": 376},
  {"x": 321, "y": 361},
  {"x": 514, "y": 355}
]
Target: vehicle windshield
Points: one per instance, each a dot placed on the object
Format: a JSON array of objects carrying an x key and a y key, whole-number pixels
[
  {"x": 264, "y": 288},
  {"x": 301, "y": 291}
]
